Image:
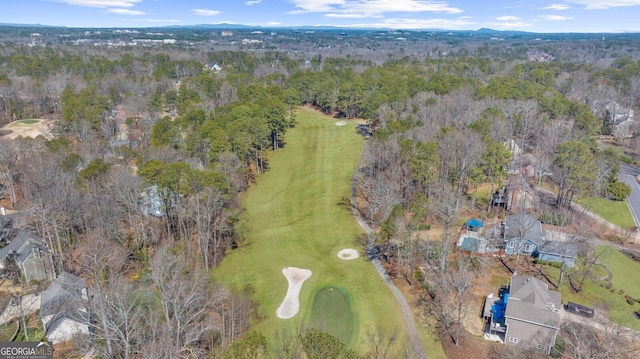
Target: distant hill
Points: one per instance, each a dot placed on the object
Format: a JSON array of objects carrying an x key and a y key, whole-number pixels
[
  {"x": 226, "y": 26},
  {"x": 26, "y": 25}
]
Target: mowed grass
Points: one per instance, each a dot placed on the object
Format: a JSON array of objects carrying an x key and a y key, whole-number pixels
[
  {"x": 294, "y": 218},
  {"x": 616, "y": 212},
  {"x": 26, "y": 122},
  {"x": 331, "y": 312},
  {"x": 624, "y": 272}
]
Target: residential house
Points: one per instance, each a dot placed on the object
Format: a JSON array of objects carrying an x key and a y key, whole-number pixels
[
  {"x": 6, "y": 227},
  {"x": 31, "y": 255},
  {"x": 525, "y": 315},
  {"x": 519, "y": 194},
  {"x": 531, "y": 314},
  {"x": 63, "y": 308},
  {"x": 522, "y": 234},
  {"x": 556, "y": 251}
]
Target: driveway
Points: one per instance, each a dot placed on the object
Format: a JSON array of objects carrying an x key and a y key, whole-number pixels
[{"x": 600, "y": 322}]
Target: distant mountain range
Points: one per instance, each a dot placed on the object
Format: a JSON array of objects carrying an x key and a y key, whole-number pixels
[{"x": 231, "y": 26}]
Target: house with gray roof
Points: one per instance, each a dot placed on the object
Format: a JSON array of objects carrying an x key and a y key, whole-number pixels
[
  {"x": 556, "y": 251},
  {"x": 63, "y": 308},
  {"x": 31, "y": 256},
  {"x": 531, "y": 316},
  {"x": 522, "y": 233}
]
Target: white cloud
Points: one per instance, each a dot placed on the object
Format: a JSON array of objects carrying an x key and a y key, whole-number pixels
[
  {"x": 253, "y": 2},
  {"x": 402, "y": 23},
  {"x": 605, "y": 4},
  {"x": 205, "y": 12},
  {"x": 556, "y": 7},
  {"x": 100, "y": 3},
  {"x": 370, "y": 8},
  {"x": 272, "y": 23},
  {"x": 555, "y": 17},
  {"x": 125, "y": 12},
  {"x": 508, "y": 18}
]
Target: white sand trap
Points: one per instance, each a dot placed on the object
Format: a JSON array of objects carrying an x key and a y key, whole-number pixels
[
  {"x": 341, "y": 123},
  {"x": 348, "y": 254},
  {"x": 291, "y": 303}
]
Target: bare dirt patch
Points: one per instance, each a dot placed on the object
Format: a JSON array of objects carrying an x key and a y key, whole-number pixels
[{"x": 27, "y": 128}]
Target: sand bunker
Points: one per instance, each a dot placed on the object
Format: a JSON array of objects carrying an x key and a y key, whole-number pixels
[
  {"x": 291, "y": 303},
  {"x": 348, "y": 254},
  {"x": 341, "y": 123}
]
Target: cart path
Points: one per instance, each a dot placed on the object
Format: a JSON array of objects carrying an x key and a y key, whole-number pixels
[{"x": 407, "y": 314}]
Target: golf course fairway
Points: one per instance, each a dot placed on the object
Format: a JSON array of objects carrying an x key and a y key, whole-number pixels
[{"x": 294, "y": 217}]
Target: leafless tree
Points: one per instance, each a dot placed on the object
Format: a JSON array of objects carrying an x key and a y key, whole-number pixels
[
  {"x": 599, "y": 340},
  {"x": 51, "y": 200},
  {"x": 444, "y": 207},
  {"x": 449, "y": 294},
  {"x": 186, "y": 303},
  {"x": 379, "y": 341}
]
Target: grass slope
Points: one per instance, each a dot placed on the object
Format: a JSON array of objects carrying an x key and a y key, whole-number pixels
[
  {"x": 293, "y": 218},
  {"x": 616, "y": 212},
  {"x": 624, "y": 281}
]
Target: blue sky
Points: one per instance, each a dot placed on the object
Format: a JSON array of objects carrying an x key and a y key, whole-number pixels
[{"x": 533, "y": 15}]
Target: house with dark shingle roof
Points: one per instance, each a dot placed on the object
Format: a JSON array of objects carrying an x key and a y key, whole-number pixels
[
  {"x": 32, "y": 257},
  {"x": 63, "y": 308},
  {"x": 556, "y": 251},
  {"x": 522, "y": 233},
  {"x": 531, "y": 315}
]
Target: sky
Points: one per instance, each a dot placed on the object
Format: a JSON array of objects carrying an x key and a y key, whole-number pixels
[{"x": 550, "y": 16}]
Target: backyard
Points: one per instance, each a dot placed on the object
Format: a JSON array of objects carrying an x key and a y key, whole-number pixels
[{"x": 608, "y": 296}]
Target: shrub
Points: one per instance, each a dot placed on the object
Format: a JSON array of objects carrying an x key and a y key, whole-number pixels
[
  {"x": 548, "y": 263},
  {"x": 621, "y": 291},
  {"x": 630, "y": 301},
  {"x": 555, "y": 219},
  {"x": 617, "y": 191}
]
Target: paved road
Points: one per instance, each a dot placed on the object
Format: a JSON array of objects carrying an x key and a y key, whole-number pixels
[
  {"x": 407, "y": 314},
  {"x": 628, "y": 175}
]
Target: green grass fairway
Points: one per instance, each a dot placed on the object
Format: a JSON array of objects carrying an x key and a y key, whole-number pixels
[
  {"x": 331, "y": 312},
  {"x": 616, "y": 212},
  {"x": 294, "y": 218}
]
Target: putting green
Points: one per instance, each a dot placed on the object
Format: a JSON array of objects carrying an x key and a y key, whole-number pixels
[
  {"x": 27, "y": 122},
  {"x": 331, "y": 312}
]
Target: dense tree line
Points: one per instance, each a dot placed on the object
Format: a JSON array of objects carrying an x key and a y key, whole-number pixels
[{"x": 439, "y": 131}]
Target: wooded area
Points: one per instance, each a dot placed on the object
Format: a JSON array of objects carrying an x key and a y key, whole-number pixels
[{"x": 139, "y": 189}]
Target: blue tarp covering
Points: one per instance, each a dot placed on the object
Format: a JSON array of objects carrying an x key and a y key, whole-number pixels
[
  {"x": 498, "y": 308},
  {"x": 475, "y": 223}
]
